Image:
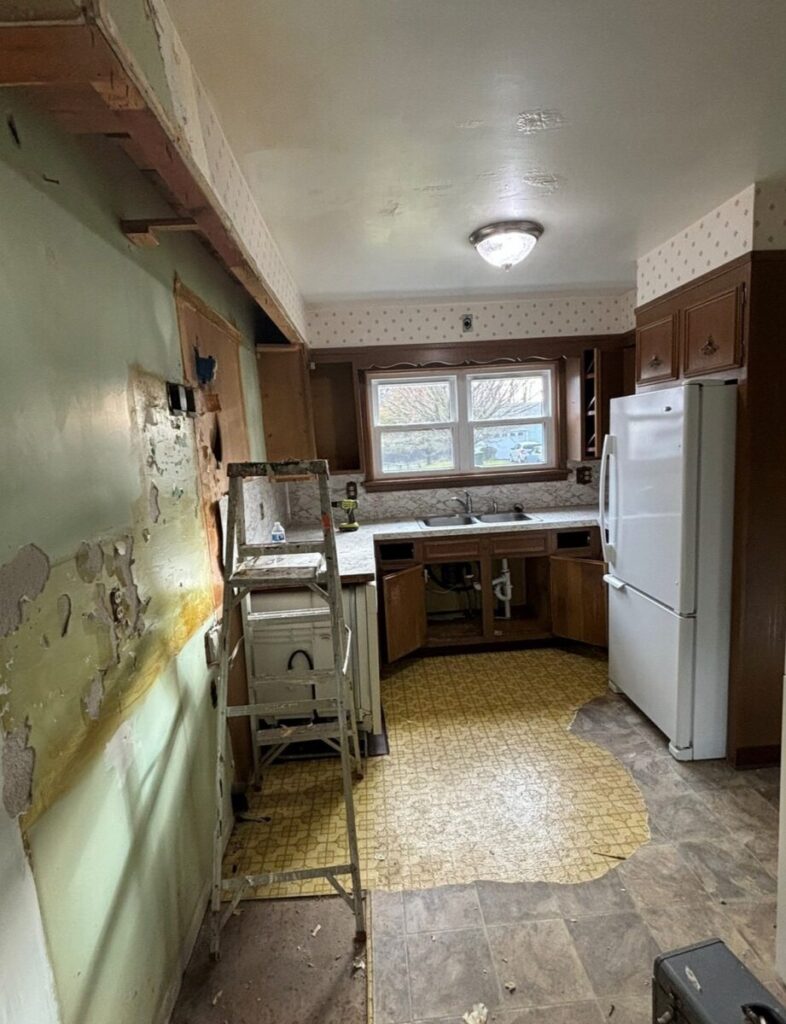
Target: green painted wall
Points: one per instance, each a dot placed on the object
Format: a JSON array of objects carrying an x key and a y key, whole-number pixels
[{"x": 113, "y": 698}]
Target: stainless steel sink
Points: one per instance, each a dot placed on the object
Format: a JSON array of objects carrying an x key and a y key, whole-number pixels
[
  {"x": 503, "y": 517},
  {"x": 456, "y": 520}
]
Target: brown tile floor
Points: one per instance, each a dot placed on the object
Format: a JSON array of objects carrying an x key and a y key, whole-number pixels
[{"x": 584, "y": 949}]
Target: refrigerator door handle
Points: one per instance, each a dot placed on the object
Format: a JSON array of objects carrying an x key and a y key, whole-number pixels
[
  {"x": 614, "y": 582},
  {"x": 608, "y": 449}
]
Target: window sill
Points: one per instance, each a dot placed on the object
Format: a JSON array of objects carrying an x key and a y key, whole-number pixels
[{"x": 420, "y": 483}]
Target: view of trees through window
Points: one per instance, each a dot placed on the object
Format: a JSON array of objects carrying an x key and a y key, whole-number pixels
[{"x": 462, "y": 422}]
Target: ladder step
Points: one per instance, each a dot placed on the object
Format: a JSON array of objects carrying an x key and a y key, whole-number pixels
[
  {"x": 294, "y": 733},
  {"x": 278, "y": 569},
  {"x": 289, "y": 615},
  {"x": 304, "y": 677},
  {"x": 273, "y": 877},
  {"x": 280, "y": 707},
  {"x": 295, "y": 547}
]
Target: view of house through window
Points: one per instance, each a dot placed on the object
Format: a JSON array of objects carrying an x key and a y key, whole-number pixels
[{"x": 463, "y": 421}]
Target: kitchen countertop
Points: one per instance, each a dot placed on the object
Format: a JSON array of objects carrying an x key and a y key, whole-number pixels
[{"x": 356, "y": 550}]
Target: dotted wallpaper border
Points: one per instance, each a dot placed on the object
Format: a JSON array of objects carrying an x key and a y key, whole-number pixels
[{"x": 412, "y": 322}]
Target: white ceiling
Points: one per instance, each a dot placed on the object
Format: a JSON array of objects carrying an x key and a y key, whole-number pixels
[{"x": 377, "y": 134}]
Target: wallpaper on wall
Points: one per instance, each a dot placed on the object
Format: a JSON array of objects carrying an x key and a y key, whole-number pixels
[
  {"x": 403, "y": 323},
  {"x": 381, "y": 505},
  {"x": 769, "y": 225},
  {"x": 200, "y": 130},
  {"x": 721, "y": 235}
]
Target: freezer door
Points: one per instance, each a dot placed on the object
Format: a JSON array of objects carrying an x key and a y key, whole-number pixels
[
  {"x": 651, "y": 660},
  {"x": 653, "y": 493}
]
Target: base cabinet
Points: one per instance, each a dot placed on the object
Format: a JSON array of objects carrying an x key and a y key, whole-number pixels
[{"x": 476, "y": 590}]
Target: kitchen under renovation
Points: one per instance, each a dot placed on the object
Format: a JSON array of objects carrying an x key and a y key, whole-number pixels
[{"x": 393, "y": 577}]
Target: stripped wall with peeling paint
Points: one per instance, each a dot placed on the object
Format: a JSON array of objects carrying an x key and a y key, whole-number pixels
[{"x": 104, "y": 590}]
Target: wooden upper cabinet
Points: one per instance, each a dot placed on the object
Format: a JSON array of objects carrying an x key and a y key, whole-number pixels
[
  {"x": 578, "y": 600},
  {"x": 656, "y": 351},
  {"x": 286, "y": 402},
  {"x": 404, "y": 605},
  {"x": 712, "y": 333}
]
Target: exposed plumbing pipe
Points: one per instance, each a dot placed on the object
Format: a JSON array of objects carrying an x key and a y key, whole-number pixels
[{"x": 502, "y": 588}]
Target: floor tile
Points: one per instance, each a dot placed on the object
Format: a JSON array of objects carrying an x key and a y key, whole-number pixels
[
  {"x": 712, "y": 774},
  {"x": 540, "y": 959},
  {"x": 624, "y": 1009},
  {"x": 756, "y": 924},
  {"x": 586, "y": 1012},
  {"x": 391, "y": 980},
  {"x": 659, "y": 874},
  {"x": 605, "y": 895},
  {"x": 387, "y": 915},
  {"x": 686, "y": 924},
  {"x": 508, "y": 902},
  {"x": 450, "y": 972},
  {"x": 617, "y": 951},
  {"x": 446, "y": 908},
  {"x": 727, "y": 870},
  {"x": 745, "y": 812},
  {"x": 686, "y": 816}
]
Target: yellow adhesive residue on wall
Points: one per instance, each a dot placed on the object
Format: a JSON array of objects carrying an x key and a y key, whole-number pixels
[{"x": 484, "y": 781}]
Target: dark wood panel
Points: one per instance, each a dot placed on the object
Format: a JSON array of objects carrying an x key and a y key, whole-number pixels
[
  {"x": 404, "y": 605},
  {"x": 712, "y": 333},
  {"x": 335, "y": 416},
  {"x": 450, "y": 550},
  {"x": 579, "y": 600},
  {"x": 520, "y": 544},
  {"x": 656, "y": 351},
  {"x": 286, "y": 402}
]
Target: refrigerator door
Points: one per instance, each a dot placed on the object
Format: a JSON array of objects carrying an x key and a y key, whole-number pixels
[
  {"x": 651, "y": 661},
  {"x": 653, "y": 493}
]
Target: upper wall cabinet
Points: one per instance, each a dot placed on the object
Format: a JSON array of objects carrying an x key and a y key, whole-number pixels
[
  {"x": 712, "y": 333},
  {"x": 286, "y": 402},
  {"x": 697, "y": 330}
]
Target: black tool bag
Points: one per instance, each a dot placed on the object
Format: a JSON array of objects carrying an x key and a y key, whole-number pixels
[{"x": 707, "y": 984}]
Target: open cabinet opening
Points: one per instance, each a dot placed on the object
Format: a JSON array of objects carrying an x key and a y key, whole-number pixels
[
  {"x": 521, "y": 597},
  {"x": 454, "y": 601}
]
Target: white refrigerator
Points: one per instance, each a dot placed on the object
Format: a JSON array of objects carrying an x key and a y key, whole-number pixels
[{"x": 666, "y": 516}]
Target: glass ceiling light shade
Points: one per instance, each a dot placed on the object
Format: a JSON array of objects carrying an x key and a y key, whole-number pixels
[{"x": 506, "y": 243}]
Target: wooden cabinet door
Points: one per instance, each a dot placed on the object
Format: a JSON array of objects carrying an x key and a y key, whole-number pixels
[
  {"x": 286, "y": 402},
  {"x": 656, "y": 351},
  {"x": 404, "y": 601},
  {"x": 712, "y": 333},
  {"x": 578, "y": 600}
]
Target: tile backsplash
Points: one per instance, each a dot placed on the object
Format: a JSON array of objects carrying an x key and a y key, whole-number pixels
[{"x": 381, "y": 505}]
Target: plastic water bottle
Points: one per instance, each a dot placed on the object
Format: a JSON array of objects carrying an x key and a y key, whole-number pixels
[{"x": 278, "y": 536}]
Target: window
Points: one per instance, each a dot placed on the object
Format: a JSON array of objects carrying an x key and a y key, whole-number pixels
[{"x": 462, "y": 422}]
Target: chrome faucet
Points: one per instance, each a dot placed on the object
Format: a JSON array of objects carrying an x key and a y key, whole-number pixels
[
  {"x": 465, "y": 502},
  {"x": 494, "y": 506}
]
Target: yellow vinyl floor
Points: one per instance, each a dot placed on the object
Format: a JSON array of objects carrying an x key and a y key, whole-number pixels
[{"x": 484, "y": 781}]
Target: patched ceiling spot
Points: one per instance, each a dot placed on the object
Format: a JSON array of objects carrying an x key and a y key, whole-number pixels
[
  {"x": 531, "y": 121},
  {"x": 543, "y": 181}
]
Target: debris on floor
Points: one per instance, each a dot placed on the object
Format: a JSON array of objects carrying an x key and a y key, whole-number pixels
[
  {"x": 479, "y": 1014},
  {"x": 315, "y": 931},
  {"x": 510, "y": 986}
]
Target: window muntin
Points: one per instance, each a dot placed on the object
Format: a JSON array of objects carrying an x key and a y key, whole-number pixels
[{"x": 463, "y": 422}]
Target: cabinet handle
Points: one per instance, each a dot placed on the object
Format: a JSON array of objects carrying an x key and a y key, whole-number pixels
[
  {"x": 655, "y": 361},
  {"x": 709, "y": 347}
]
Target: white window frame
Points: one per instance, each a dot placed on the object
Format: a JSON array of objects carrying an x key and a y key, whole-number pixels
[{"x": 460, "y": 425}]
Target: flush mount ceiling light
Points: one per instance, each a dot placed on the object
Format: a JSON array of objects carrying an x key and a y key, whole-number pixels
[{"x": 507, "y": 242}]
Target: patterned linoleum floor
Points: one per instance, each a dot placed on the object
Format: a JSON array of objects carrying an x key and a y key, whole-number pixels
[{"x": 484, "y": 780}]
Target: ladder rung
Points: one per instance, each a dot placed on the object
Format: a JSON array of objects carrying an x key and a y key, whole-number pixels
[
  {"x": 292, "y": 467},
  {"x": 293, "y": 733},
  {"x": 291, "y": 707},
  {"x": 278, "y": 569},
  {"x": 304, "y": 678},
  {"x": 295, "y": 547},
  {"x": 273, "y": 877},
  {"x": 289, "y": 615}
]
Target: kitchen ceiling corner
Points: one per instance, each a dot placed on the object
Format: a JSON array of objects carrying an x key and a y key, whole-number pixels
[{"x": 376, "y": 136}]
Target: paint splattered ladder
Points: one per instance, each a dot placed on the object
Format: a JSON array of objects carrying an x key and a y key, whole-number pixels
[{"x": 311, "y": 565}]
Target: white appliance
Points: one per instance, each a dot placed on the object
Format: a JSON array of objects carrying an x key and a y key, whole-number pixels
[{"x": 666, "y": 516}]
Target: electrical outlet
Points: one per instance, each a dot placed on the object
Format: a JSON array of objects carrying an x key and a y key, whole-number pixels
[{"x": 583, "y": 474}]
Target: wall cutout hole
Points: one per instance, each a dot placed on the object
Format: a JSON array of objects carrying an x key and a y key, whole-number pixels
[{"x": 466, "y": 323}]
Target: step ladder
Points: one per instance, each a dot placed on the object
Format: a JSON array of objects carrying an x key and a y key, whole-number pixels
[{"x": 311, "y": 565}]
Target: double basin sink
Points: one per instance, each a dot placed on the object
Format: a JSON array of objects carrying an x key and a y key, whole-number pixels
[{"x": 472, "y": 520}]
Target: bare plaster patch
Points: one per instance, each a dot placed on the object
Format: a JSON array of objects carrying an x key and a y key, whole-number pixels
[
  {"x": 94, "y": 697},
  {"x": 18, "y": 766},
  {"x": 89, "y": 561},
  {"x": 152, "y": 503},
  {"x": 22, "y": 579}
]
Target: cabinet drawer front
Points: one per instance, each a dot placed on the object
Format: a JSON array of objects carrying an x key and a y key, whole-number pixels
[
  {"x": 712, "y": 332},
  {"x": 460, "y": 550},
  {"x": 656, "y": 351},
  {"x": 524, "y": 543}
]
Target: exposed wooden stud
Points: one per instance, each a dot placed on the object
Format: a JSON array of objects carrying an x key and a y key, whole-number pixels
[{"x": 143, "y": 232}]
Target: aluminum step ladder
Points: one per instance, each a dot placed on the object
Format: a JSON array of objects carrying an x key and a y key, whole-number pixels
[{"x": 311, "y": 565}]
